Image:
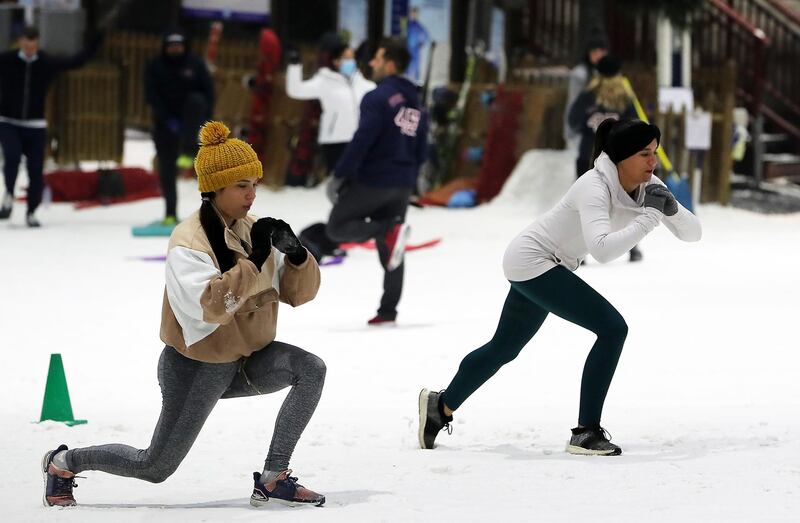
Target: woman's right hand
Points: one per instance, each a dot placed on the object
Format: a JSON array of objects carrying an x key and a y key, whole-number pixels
[{"x": 260, "y": 235}]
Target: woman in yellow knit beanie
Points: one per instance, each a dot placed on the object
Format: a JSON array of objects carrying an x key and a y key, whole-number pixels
[{"x": 226, "y": 272}]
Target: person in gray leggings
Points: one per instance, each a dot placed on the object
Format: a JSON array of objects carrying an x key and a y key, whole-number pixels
[{"x": 226, "y": 272}]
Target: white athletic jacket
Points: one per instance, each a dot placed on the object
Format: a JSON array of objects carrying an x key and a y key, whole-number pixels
[
  {"x": 595, "y": 217},
  {"x": 339, "y": 96}
]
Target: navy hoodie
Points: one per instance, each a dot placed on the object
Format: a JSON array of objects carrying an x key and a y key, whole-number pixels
[{"x": 390, "y": 143}]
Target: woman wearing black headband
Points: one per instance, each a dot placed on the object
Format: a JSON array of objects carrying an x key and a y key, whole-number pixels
[{"x": 607, "y": 211}]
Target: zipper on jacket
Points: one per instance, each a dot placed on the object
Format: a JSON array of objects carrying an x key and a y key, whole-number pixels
[{"x": 26, "y": 90}]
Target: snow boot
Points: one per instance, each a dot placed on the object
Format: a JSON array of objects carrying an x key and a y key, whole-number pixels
[
  {"x": 284, "y": 490},
  {"x": 431, "y": 418},
  {"x": 592, "y": 441}
]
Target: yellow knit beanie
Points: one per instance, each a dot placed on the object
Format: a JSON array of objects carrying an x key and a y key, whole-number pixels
[{"x": 222, "y": 161}]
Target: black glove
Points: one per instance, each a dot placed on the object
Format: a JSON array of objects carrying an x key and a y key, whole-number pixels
[
  {"x": 670, "y": 205},
  {"x": 654, "y": 198},
  {"x": 334, "y": 188},
  {"x": 260, "y": 239},
  {"x": 292, "y": 55},
  {"x": 284, "y": 239}
]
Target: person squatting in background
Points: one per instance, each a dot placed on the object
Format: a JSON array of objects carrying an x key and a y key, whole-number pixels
[
  {"x": 226, "y": 272},
  {"x": 180, "y": 92},
  {"x": 377, "y": 172},
  {"x": 604, "y": 97},
  {"x": 605, "y": 213},
  {"x": 26, "y": 75},
  {"x": 579, "y": 77},
  {"x": 339, "y": 86}
]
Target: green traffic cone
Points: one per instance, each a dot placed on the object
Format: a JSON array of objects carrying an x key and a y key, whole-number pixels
[{"x": 56, "y": 405}]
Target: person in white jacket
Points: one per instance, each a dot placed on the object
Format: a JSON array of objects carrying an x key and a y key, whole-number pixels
[
  {"x": 607, "y": 211},
  {"x": 339, "y": 89}
]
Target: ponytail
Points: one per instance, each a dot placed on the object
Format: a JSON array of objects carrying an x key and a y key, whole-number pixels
[
  {"x": 601, "y": 137},
  {"x": 212, "y": 225}
]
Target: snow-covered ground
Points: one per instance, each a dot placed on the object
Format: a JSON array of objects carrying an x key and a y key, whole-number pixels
[{"x": 705, "y": 401}]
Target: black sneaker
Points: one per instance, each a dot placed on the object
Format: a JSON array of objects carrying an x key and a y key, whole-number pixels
[
  {"x": 31, "y": 220},
  {"x": 58, "y": 483},
  {"x": 284, "y": 490},
  {"x": 431, "y": 419},
  {"x": 592, "y": 441},
  {"x": 5, "y": 207}
]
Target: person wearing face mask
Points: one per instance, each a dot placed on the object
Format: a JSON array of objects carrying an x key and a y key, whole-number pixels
[
  {"x": 180, "y": 92},
  {"x": 339, "y": 86},
  {"x": 26, "y": 75},
  {"x": 605, "y": 212}
]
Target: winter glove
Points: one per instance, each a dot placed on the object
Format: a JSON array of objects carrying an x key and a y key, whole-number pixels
[
  {"x": 670, "y": 205},
  {"x": 260, "y": 238},
  {"x": 654, "y": 198},
  {"x": 284, "y": 239},
  {"x": 334, "y": 187},
  {"x": 292, "y": 54},
  {"x": 174, "y": 125}
]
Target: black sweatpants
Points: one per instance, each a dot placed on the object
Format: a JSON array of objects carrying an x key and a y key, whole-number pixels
[
  {"x": 528, "y": 303},
  {"x": 169, "y": 145},
  {"x": 190, "y": 389},
  {"x": 363, "y": 212},
  {"x": 16, "y": 141}
]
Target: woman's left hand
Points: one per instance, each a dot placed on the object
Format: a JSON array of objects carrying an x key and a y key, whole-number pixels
[{"x": 285, "y": 240}]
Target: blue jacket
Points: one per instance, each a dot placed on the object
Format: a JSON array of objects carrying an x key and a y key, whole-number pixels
[{"x": 391, "y": 141}]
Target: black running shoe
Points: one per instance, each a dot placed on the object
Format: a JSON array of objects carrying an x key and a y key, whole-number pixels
[
  {"x": 592, "y": 441},
  {"x": 431, "y": 419},
  {"x": 58, "y": 483}
]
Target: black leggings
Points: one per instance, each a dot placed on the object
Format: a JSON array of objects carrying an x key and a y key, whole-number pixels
[{"x": 566, "y": 295}]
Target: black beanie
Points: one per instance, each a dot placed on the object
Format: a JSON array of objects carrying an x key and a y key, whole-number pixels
[
  {"x": 609, "y": 66},
  {"x": 621, "y": 139}
]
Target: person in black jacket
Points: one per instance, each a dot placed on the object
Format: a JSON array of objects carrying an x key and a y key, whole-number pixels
[
  {"x": 25, "y": 77},
  {"x": 377, "y": 172},
  {"x": 180, "y": 91}
]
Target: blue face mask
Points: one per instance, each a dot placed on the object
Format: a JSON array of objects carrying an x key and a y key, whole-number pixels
[{"x": 347, "y": 67}]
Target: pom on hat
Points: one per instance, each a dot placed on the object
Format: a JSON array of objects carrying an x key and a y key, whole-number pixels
[
  {"x": 214, "y": 133},
  {"x": 222, "y": 160}
]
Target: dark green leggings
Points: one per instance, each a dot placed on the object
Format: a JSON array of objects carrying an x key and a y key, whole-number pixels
[{"x": 564, "y": 294}]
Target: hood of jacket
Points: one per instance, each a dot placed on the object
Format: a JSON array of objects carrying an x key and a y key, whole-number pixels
[{"x": 609, "y": 174}]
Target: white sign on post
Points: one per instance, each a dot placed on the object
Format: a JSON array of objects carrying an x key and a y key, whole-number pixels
[
  {"x": 675, "y": 98},
  {"x": 698, "y": 131}
]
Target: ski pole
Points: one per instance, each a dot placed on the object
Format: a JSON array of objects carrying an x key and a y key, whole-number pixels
[{"x": 643, "y": 117}]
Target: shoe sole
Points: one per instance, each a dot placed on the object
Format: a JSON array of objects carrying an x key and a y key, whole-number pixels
[
  {"x": 423, "y": 416},
  {"x": 43, "y": 467},
  {"x": 399, "y": 250},
  {"x": 580, "y": 451},
  {"x": 261, "y": 503}
]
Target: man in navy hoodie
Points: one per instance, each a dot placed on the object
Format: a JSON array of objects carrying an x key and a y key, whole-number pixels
[{"x": 378, "y": 170}]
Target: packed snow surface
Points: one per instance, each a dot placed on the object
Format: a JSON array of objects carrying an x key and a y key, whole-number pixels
[{"x": 705, "y": 401}]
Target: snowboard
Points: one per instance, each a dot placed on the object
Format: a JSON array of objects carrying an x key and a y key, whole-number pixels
[{"x": 269, "y": 59}]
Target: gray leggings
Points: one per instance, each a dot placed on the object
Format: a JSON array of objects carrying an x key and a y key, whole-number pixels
[{"x": 189, "y": 391}]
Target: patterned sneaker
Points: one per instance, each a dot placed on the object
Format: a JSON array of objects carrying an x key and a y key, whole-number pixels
[
  {"x": 592, "y": 441},
  {"x": 284, "y": 490},
  {"x": 396, "y": 239},
  {"x": 431, "y": 420},
  {"x": 58, "y": 483}
]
